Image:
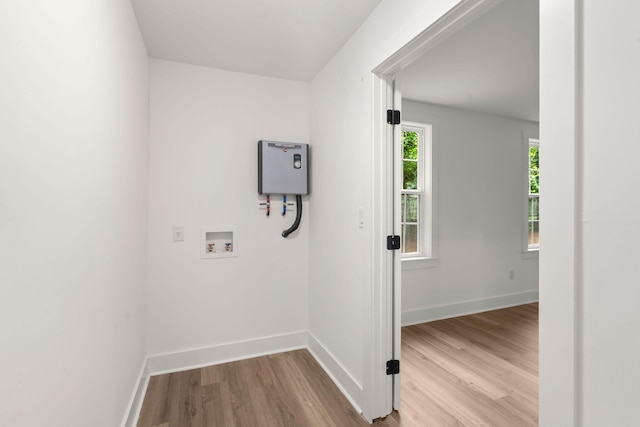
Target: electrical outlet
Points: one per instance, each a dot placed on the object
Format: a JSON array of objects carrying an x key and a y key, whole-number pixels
[
  {"x": 512, "y": 274},
  {"x": 178, "y": 233}
]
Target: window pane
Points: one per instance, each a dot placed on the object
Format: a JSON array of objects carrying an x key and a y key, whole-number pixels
[
  {"x": 410, "y": 145},
  {"x": 534, "y": 208},
  {"x": 534, "y": 171},
  {"x": 410, "y": 175},
  {"x": 534, "y": 233},
  {"x": 403, "y": 198},
  {"x": 410, "y": 238},
  {"x": 412, "y": 208}
]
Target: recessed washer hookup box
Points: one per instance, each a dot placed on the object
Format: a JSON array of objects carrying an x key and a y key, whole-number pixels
[{"x": 283, "y": 168}]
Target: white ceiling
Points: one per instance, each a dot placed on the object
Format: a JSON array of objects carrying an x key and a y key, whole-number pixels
[
  {"x": 491, "y": 65},
  {"x": 290, "y": 39}
]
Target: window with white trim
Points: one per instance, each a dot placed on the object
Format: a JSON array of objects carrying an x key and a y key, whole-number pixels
[
  {"x": 416, "y": 202},
  {"x": 533, "y": 202}
]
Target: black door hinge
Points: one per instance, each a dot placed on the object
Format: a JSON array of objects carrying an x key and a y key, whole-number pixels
[
  {"x": 393, "y": 117},
  {"x": 393, "y": 367},
  {"x": 393, "y": 243}
]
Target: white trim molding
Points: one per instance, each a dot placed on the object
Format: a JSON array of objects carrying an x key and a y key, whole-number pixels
[
  {"x": 222, "y": 353},
  {"x": 135, "y": 403},
  {"x": 347, "y": 384},
  {"x": 560, "y": 357},
  {"x": 429, "y": 314}
]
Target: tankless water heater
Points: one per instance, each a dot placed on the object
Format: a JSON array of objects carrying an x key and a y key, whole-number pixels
[{"x": 283, "y": 168}]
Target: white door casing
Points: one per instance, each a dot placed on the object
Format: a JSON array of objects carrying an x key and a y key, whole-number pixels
[{"x": 385, "y": 393}]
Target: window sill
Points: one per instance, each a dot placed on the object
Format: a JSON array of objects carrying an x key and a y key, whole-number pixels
[
  {"x": 419, "y": 263},
  {"x": 531, "y": 254}
]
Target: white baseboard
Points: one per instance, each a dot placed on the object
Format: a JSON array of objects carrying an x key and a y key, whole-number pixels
[
  {"x": 351, "y": 389},
  {"x": 135, "y": 403},
  {"x": 198, "y": 358},
  {"x": 430, "y": 314}
]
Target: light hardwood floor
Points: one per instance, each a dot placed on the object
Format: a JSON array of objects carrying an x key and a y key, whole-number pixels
[{"x": 477, "y": 370}]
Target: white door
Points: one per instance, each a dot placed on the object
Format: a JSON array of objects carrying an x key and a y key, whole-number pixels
[{"x": 396, "y": 231}]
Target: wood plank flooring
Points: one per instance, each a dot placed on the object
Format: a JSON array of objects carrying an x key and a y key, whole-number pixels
[
  {"x": 477, "y": 370},
  {"x": 286, "y": 389}
]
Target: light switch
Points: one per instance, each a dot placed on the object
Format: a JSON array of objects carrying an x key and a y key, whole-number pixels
[{"x": 178, "y": 233}]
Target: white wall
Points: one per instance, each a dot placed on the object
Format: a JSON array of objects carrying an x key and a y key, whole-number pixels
[
  {"x": 610, "y": 207},
  {"x": 205, "y": 125},
  {"x": 73, "y": 211},
  {"x": 481, "y": 176}
]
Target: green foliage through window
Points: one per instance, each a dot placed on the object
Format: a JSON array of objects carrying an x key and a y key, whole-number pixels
[
  {"x": 410, "y": 145},
  {"x": 534, "y": 170},
  {"x": 410, "y": 153}
]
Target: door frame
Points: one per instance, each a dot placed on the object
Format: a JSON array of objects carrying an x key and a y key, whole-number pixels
[{"x": 387, "y": 293}]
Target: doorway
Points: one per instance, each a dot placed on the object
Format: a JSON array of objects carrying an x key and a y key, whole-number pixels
[{"x": 515, "y": 271}]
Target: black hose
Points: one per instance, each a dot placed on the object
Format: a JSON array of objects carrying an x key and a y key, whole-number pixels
[{"x": 296, "y": 223}]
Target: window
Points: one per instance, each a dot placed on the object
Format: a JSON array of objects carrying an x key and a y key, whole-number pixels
[
  {"x": 533, "y": 203},
  {"x": 415, "y": 200}
]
